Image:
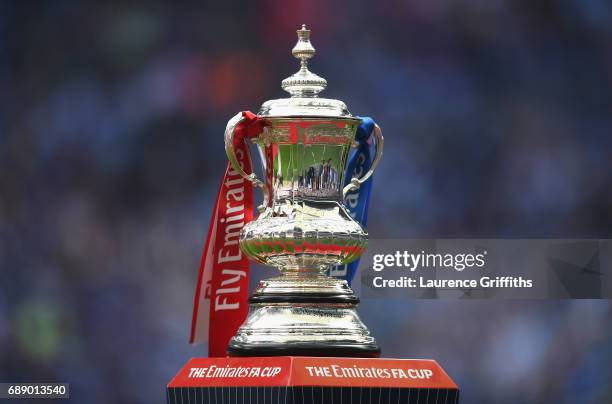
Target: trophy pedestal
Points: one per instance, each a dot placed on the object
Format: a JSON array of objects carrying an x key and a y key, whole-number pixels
[
  {"x": 312, "y": 315},
  {"x": 293, "y": 379}
]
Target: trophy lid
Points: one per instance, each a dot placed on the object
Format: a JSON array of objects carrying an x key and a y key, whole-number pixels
[{"x": 304, "y": 88}]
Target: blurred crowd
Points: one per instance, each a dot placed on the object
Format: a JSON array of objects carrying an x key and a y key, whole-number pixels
[{"x": 498, "y": 120}]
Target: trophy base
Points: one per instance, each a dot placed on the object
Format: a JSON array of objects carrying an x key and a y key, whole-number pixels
[
  {"x": 303, "y": 316},
  {"x": 313, "y": 350}
]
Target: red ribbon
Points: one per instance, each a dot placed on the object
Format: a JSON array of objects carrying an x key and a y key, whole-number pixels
[{"x": 224, "y": 269}]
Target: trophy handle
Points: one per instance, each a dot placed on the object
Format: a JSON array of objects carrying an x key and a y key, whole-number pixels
[
  {"x": 231, "y": 155},
  {"x": 356, "y": 182}
]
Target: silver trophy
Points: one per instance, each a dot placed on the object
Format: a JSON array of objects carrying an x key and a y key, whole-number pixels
[{"x": 304, "y": 228}]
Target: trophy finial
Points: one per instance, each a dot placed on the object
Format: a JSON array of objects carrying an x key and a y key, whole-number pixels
[
  {"x": 303, "y": 49},
  {"x": 304, "y": 83}
]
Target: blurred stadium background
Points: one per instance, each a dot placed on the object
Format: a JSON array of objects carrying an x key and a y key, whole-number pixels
[{"x": 498, "y": 119}]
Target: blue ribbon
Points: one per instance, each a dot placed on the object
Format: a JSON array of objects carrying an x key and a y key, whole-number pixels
[{"x": 357, "y": 201}]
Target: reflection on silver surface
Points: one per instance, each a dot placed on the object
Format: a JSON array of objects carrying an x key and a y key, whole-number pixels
[
  {"x": 303, "y": 227},
  {"x": 302, "y": 323},
  {"x": 307, "y": 156},
  {"x": 305, "y": 223}
]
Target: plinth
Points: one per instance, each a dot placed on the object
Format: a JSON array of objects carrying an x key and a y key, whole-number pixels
[{"x": 293, "y": 380}]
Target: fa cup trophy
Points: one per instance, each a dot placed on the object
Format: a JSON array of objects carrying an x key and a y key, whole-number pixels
[{"x": 303, "y": 227}]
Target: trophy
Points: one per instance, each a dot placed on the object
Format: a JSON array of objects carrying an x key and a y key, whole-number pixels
[
  {"x": 303, "y": 227},
  {"x": 302, "y": 340}
]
